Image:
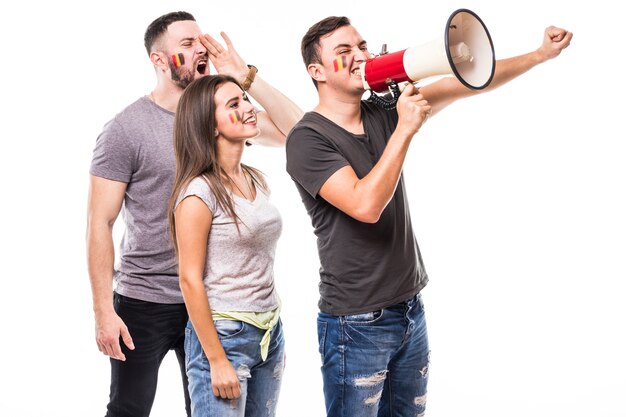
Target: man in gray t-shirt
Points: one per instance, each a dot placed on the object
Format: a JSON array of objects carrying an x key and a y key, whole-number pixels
[
  {"x": 135, "y": 150},
  {"x": 139, "y": 300}
]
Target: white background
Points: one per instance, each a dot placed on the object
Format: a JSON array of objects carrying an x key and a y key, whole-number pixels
[{"x": 517, "y": 199}]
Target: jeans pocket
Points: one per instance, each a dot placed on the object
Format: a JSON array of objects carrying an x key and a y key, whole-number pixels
[
  {"x": 228, "y": 328},
  {"x": 363, "y": 318},
  {"x": 321, "y": 338}
]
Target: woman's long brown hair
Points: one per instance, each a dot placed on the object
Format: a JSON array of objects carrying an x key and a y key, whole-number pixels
[{"x": 195, "y": 147}]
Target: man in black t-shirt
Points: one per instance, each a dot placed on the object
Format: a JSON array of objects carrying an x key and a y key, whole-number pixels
[{"x": 346, "y": 158}]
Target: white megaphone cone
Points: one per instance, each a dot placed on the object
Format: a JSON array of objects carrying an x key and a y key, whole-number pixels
[{"x": 465, "y": 50}]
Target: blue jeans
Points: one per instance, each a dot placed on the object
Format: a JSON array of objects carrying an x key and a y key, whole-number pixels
[
  {"x": 259, "y": 380},
  {"x": 376, "y": 363}
]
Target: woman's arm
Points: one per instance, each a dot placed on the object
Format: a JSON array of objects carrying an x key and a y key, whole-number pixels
[{"x": 193, "y": 225}]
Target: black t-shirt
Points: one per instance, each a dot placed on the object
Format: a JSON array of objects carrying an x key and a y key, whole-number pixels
[{"x": 364, "y": 267}]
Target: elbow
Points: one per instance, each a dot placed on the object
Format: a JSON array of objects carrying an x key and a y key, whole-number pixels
[
  {"x": 367, "y": 209},
  {"x": 98, "y": 228},
  {"x": 367, "y": 215},
  {"x": 187, "y": 285}
]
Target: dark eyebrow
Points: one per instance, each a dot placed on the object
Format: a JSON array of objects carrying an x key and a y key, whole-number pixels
[
  {"x": 232, "y": 100},
  {"x": 345, "y": 45}
]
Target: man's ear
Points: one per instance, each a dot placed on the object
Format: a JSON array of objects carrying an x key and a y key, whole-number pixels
[
  {"x": 159, "y": 60},
  {"x": 316, "y": 71}
]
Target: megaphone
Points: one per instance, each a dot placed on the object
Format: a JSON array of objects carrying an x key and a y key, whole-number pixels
[{"x": 465, "y": 50}]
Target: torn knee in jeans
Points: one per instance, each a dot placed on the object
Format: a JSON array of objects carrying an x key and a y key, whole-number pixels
[
  {"x": 374, "y": 399},
  {"x": 243, "y": 371},
  {"x": 278, "y": 370},
  {"x": 424, "y": 370},
  {"x": 369, "y": 380},
  {"x": 372, "y": 380},
  {"x": 420, "y": 403}
]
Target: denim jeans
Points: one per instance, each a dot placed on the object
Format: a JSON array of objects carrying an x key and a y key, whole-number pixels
[
  {"x": 376, "y": 363},
  {"x": 156, "y": 329},
  {"x": 260, "y": 381}
]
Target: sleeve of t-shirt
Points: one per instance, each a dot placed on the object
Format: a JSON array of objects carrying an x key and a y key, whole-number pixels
[
  {"x": 312, "y": 159},
  {"x": 198, "y": 187},
  {"x": 114, "y": 155}
]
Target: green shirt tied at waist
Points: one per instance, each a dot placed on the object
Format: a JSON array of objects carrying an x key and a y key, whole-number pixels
[{"x": 264, "y": 321}]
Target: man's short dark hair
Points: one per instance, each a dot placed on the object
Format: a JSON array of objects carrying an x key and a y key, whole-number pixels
[
  {"x": 310, "y": 46},
  {"x": 159, "y": 26}
]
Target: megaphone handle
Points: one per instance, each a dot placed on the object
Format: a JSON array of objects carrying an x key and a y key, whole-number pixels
[{"x": 386, "y": 104}]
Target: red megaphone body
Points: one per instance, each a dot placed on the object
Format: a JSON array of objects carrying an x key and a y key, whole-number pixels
[{"x": 465, "y": 50}]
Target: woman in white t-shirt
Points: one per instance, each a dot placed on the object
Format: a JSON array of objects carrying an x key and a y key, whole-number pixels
[{"x": 225, "y": 232}]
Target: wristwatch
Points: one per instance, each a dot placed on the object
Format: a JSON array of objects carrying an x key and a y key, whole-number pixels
[{"x": 252, "y": 70}]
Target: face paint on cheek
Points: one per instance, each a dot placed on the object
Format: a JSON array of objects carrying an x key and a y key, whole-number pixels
[
  {"x": 178, "y": 60},
  {"x": 235, "y": 117},
  {"x": 340, "y": 63}
]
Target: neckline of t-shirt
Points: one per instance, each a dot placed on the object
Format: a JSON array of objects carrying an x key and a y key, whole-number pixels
[
  {"x": 361, "y": 136},
  {"x": 256, "y": 197},
  {"x": 152, "y": 103}
]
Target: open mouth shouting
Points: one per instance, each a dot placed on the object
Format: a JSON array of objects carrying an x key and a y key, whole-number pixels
[{"x": 202, "y": 65}]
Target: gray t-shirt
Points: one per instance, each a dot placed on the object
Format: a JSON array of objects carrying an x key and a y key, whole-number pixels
[
  {"x": 364, "y": 267},
  {"x": 239, "y": 271},
  {"x": 136, "y": 147}
]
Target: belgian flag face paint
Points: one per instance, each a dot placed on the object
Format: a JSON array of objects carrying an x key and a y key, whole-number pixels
[
  {"x": 178, "y": 60},
  {"x": 235, "y": 117},
  {"x": 340, "y": 63}
]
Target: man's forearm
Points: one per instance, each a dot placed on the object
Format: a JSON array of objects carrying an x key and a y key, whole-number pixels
[
  {"x": 283, "y": 112},
  {"x": 100, "y": 260}
]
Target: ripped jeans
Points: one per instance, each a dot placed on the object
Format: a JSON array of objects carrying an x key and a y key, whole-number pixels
[
  {"x": 260, "y": 381},
  {"x": 375, "y": 364}
]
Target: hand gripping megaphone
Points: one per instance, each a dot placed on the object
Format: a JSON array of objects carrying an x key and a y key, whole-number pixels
[{"x": 465, "y": 50}]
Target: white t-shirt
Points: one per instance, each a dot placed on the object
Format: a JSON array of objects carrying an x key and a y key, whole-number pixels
[{"x": 239, "y": 270}]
